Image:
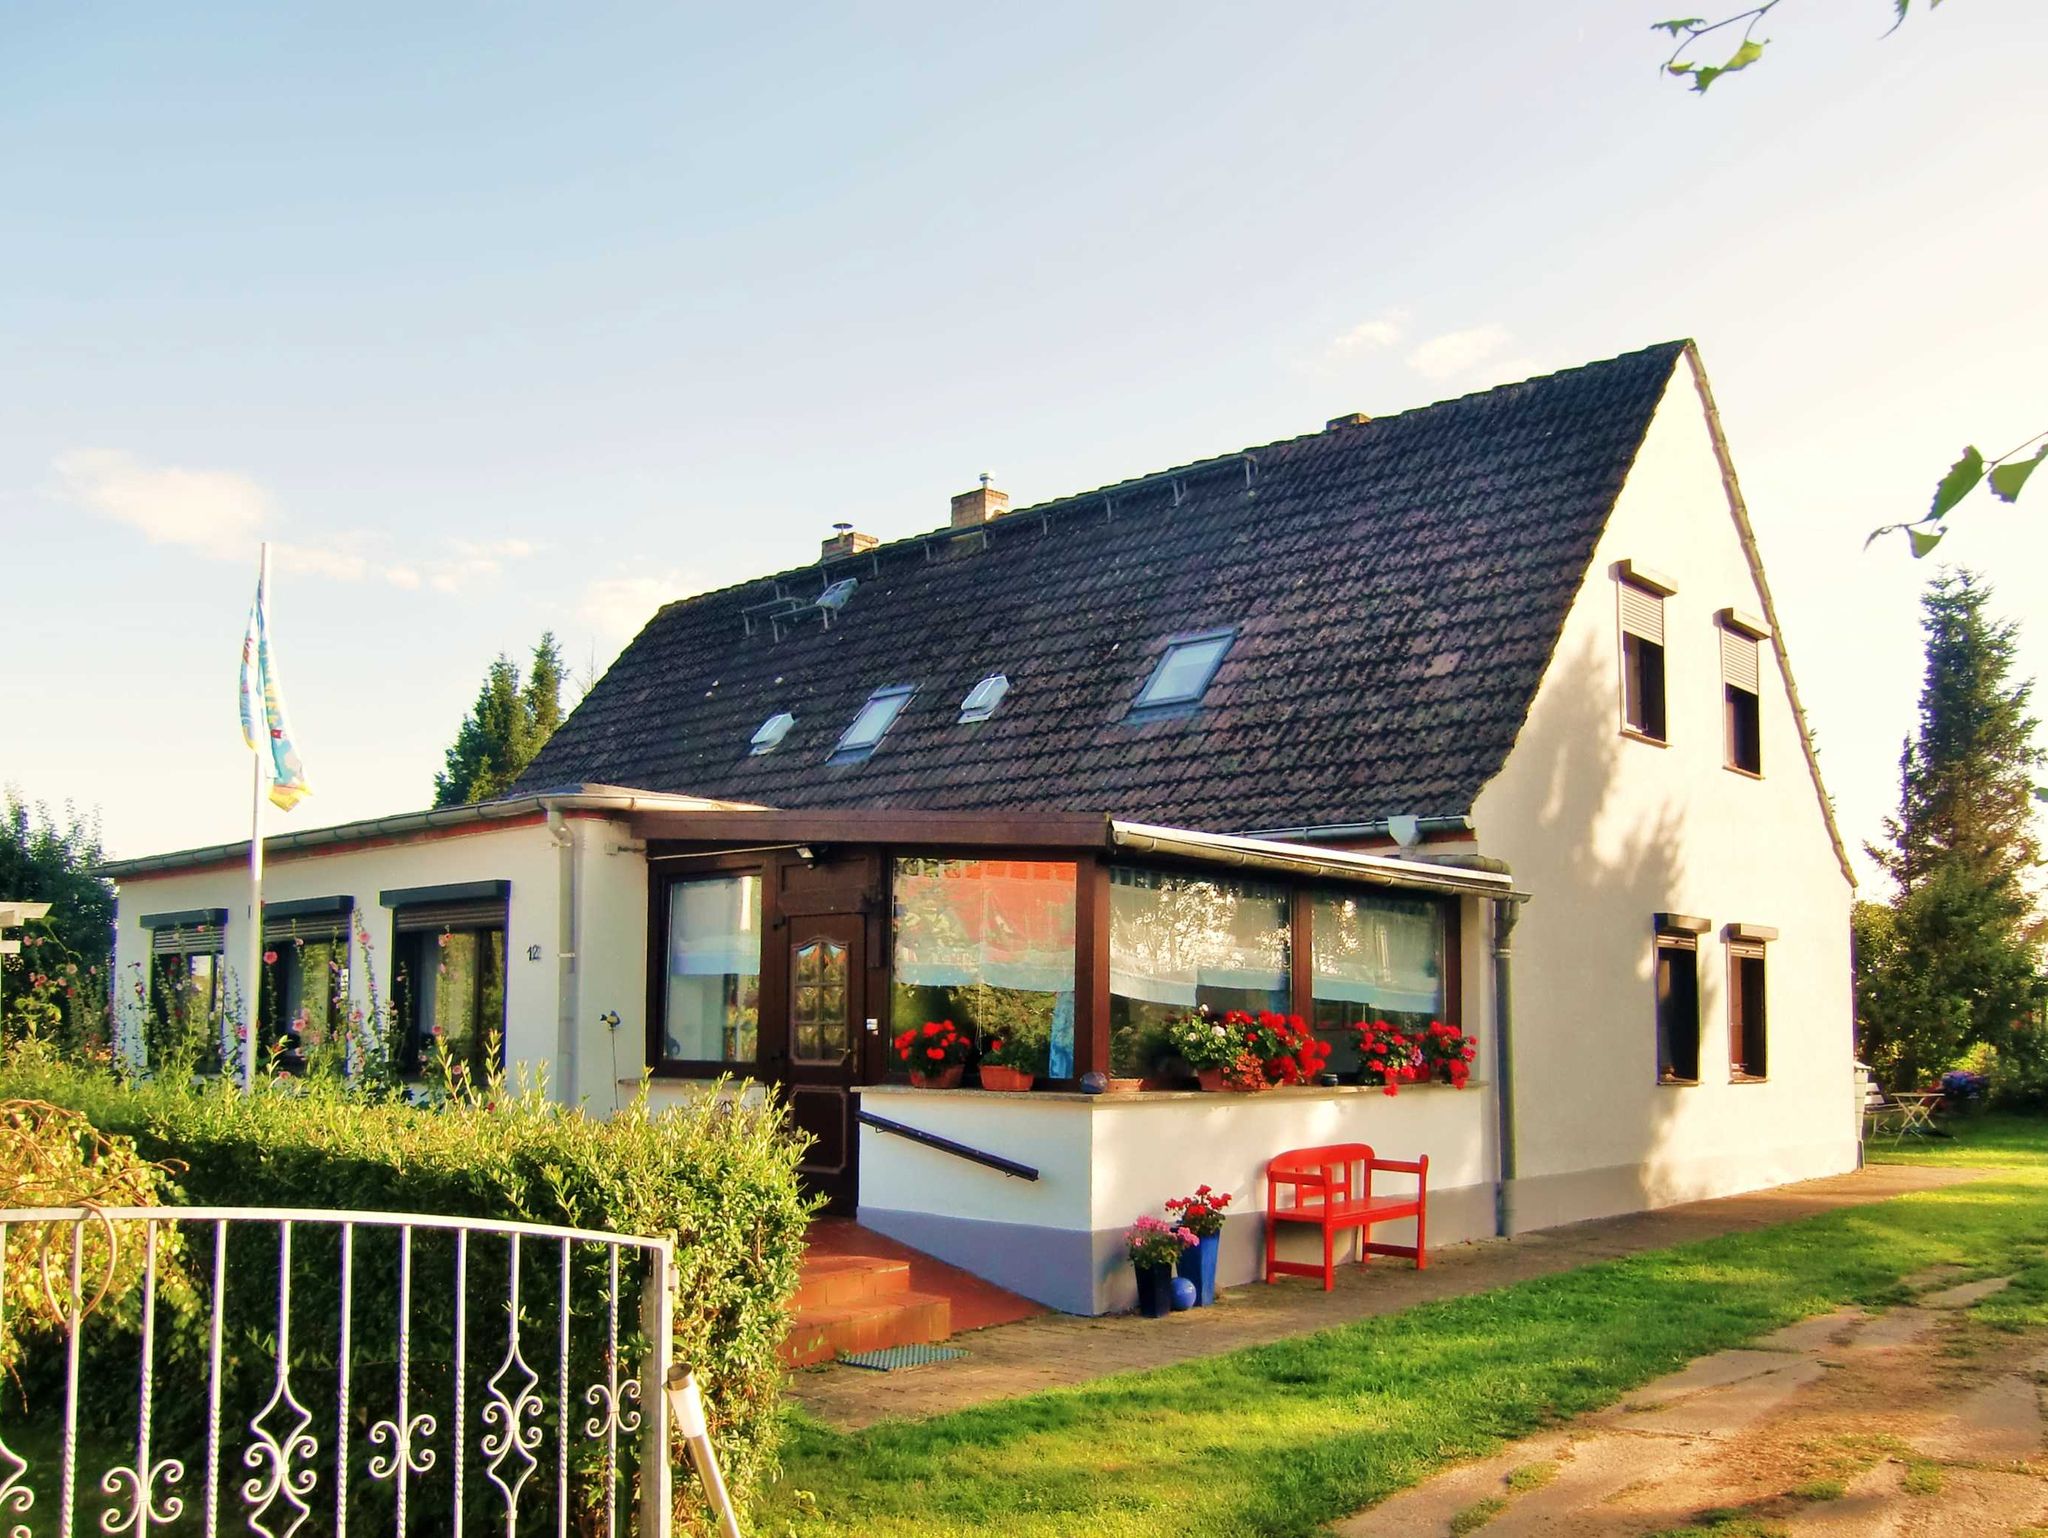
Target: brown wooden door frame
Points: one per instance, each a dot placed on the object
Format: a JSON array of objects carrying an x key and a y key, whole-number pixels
[{"x": 817, "y": 1085}]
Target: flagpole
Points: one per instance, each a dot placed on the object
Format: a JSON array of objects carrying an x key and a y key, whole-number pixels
[{"x": 252, "y": 951}]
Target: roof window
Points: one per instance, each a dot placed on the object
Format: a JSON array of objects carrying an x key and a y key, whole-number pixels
[
  {"x": 769, "y": 734},
  {"x": 833, "y": 599},
  {"x": 983, "y": 698},
  {"x": 1182, "y": 676},
  {"x": 875, "y": 718}
]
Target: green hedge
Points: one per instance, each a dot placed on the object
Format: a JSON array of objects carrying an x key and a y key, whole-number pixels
[{"x": 717, "y": 1175}]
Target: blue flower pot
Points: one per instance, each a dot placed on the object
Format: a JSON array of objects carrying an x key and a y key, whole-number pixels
[
  {"x": 1155, "y": 1291},
  {"x": 1198, "y": 1265}
]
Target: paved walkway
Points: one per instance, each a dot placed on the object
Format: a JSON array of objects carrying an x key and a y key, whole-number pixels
[
  {"x": 1849, "y": 1425},
  {"x": 1060, "y": 1350}
]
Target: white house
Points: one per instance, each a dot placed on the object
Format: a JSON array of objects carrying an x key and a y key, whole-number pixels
[{"x": 1478, "y": 713}]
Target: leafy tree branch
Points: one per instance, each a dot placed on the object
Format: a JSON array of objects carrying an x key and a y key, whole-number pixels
[
  {"x": 1685, "y": 31},
  {"x": 2005, "y": 476}
]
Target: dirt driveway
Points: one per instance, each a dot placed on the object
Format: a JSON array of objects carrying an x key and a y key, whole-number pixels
[{"x": 1913, "y": 1421}]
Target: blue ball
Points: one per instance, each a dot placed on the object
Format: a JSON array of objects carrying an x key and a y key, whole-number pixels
[{"x": 1183, "y": 1294}]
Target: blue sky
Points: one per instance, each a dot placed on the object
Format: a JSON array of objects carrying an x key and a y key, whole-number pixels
[{"x": 495, "y": 319}]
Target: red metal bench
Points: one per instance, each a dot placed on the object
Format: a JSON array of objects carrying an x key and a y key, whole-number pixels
[{"x": 1331, "y": 1189}]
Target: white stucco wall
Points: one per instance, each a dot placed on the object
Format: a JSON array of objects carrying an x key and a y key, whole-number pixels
[
  {"x": 1104, "y": 1160},
  {"x": 1605, "y": 831},
  {"x": 609, "y": 937}
]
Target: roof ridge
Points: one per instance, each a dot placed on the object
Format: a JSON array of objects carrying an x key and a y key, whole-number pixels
[{"x": 1194, "y": 466}]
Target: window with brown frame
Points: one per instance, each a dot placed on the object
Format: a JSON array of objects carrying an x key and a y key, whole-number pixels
[
  {"x": 711, "y": 998},
  {"x": 1739, "y": 671},
  {"x": 1678, "y": 1008},
  {"x": 1748, "y": 1045},
  {"x": 1642, "y": 661}
]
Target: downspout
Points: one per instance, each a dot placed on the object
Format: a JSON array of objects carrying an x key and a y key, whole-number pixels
[
  {"x": 567, "y": 984},
  {"x": 1505, "y": 912}
]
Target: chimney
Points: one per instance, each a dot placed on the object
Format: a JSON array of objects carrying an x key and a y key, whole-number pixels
[
  {"x": 845, "y": 541},
  {"x": 1349, "y": 419},
  {"x": 979, "y": 505}
]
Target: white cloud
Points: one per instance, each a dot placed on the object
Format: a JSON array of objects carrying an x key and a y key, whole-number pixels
[
  {"x": 223, "y": 515},
  {"x": 216, "y": 512},
  {"x": 1383, "y": 330},
  {"x": 1457, "y": 352},
  {"x": 616, "y": 607}
]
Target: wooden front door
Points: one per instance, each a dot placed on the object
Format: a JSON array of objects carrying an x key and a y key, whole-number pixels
[{"x": 824, "y": 1044}]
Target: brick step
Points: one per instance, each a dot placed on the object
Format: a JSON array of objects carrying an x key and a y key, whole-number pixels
[
  {"x": 819, "y": 1333},
  {"x": 833, "y": 1281}
]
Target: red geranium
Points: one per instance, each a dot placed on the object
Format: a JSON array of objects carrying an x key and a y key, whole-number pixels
[
  {"x": 1390, "y": 1056},
  {"x": 1202, "y": 1213},
  {"x": 936, "y": 1047}
]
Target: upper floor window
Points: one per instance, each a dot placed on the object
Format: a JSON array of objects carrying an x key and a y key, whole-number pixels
[
  {"x": 875, "y": 718},
  {"x": 1741, "y": 651},
  {"x": 1182, "y": 675},
  {"x": 1642, "y": 651}
]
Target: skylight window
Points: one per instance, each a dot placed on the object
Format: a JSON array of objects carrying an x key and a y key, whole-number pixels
[
  {"x": 833, "y": 599},
  {"x": 768, "y": 736},
  {"x": 983, "y": 698},
  {"x": 1182, "y": 675},
  {"x": 875, "y": 718}
]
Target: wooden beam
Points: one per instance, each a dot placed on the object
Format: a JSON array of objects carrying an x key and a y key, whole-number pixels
[{"x": 1091, "y": 966}]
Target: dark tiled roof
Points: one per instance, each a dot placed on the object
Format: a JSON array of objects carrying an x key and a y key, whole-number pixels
[{"x": 1397, "y": 588}]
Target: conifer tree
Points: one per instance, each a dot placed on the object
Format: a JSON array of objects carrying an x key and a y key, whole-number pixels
[
  {"x": 1955, "y": 961},
  {"x": 506, "y": 727}
]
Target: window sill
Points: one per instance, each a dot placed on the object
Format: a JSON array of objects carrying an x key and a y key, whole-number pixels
[
  {"x": 1644, "y": 737},
  {"x": 1747, "y": 774},
  {"x": 1664, "y": 1083},
  {"x": 1749, "y": 1078}
]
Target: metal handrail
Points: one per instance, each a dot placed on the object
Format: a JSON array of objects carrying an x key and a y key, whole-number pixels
[{"x": 997, "y": 1162}]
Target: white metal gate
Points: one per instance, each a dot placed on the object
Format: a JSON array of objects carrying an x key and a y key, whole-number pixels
[{"x": 480, "y": 1407}]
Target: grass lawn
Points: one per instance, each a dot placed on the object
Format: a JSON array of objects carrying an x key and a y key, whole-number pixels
[{"x": 1284, "y": 1438}]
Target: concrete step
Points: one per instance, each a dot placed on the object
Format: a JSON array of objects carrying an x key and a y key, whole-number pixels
[
  {"x": 820, "y": 1332},
  {"x": 833, "y": 1281}
]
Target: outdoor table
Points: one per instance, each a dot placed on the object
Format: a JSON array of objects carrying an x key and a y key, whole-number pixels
[{"x": 1916, "y": 1111}]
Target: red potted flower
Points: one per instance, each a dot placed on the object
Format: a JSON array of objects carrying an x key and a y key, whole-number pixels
[
  {"x": 1445, "y": 1053},
  {"x": 1386, "y": 1055},
  {"x": 1011, "y": 1062},
  {"x": 1202, "y": 1216},
  {"x": 935, "y": 1053}
]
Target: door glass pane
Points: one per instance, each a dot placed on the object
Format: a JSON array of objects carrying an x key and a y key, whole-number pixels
[
  {"x": 819, "y": 1029},
  {"x": 989, "y": 945},
  {"x": 714, "y": 970}
]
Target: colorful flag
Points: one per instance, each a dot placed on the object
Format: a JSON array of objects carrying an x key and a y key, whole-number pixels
[{"x": 259, "y": 684}]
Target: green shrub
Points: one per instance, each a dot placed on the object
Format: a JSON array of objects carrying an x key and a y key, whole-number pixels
[{"x": 717, "y": 1175}]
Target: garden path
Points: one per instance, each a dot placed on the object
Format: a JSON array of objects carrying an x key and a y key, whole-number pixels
[
  {"x": 1059, "y": 1350},
  {"x": 1914, "y": 1421}
]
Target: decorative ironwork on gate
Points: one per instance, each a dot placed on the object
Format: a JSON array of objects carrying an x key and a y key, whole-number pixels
[{"x": 336, "y": 1373}]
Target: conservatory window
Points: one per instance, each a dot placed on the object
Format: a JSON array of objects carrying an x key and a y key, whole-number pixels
[
  {"x": 989, "y": 945},
  {"x": 1177, "y": 942}
]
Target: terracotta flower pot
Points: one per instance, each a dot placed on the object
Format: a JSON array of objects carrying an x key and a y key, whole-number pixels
[
  {"x": 1125, "y": 1086},
  {"x": 948, "y": 1077},
  {"x": 1211, "y": 1079},
  {"x": 1008, "y": 1080}
]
